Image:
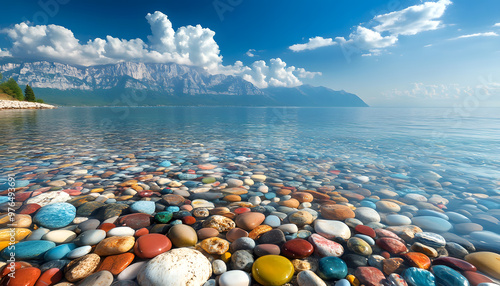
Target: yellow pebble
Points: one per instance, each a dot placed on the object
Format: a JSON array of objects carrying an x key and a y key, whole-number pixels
[
  {"x": 98, "y": 190},
  {"x": 353, "y": 280},
  {"x": 4, "y": 244},
  {"x": 226, "y": 257},
  {"x": 18, "y": 234}
]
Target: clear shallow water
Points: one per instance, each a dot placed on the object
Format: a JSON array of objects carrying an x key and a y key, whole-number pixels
[{"x": 421, "y": 138}]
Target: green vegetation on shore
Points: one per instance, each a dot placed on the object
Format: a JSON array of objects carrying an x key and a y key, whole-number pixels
[{"x": 11, "y": 89}]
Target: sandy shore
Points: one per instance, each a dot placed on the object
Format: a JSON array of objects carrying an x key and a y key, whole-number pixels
[{"x": 14, "y": 104}]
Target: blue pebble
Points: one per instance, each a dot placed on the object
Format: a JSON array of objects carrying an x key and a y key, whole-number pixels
[
  {"x": 25, "y": 250},
  {"x": 4, "y": 199},
  {"x": 270, "y": 195},
  {"x": 185, "y": 176},
  {"x": 191, "y": 184},
  {"x": 368, "y": 204},
  {"x": 432, "y": 223},
  {"x": 448, "y": 277},
  {"x": 146, "y": 207},
  {"x": 430, "y": 239},
  {"x": 55, "y": 215},
  {"x": 332, "y": 267},
  {"x": 342, "y": 282},
  {"x": 291, "y": 236},
  {"x": 165, "y": 163},
  {"x": 177, "y": 221},
  {"x": 166, "y": 191},
  {"x": 366, "y": 238},
  {"x": 21, "y": 183},
  {"x": 272, "y": 221},
  {"x": 173, "y": 209},
  {"x": 59, "y": 252},
  {"x": 419, "y": 277},
  {"x": 426, "y": 212}
]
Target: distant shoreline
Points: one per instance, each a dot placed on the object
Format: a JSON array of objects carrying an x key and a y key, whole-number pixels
[{"x": 16, "y": 104}]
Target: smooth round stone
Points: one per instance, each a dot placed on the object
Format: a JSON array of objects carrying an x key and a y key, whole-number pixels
[
  {"x": 215, "y": 245},
  {"x": 243, "y": 243},
  {"x": 272, "y": 270},
  {"x": 366, "y": 230},
  {"x": 242, "y": 260},
  {"x": 249, "y": 220},
  {"x": 25, "y": 250},
  {"x": 37, "y": 234},
  {"x": 355, "y": 260},
  {"x": 309, "y": 278},
  {"x": 79, "y": 252},
  {"x": 486, "y": 262},
  {"x": 121, "y": 231},
  {"x": 467, "y": 227},
  {"x": 182, "y": 235},
  {"x": 150, "y": 245},
  {"x": 368, "y": 204},
  {"x": 146, "y": 207},
  {"x": 56, "y": 215},
  {"x": 367, "y": 215},
  {"x": 325, "y": 247},
  {"x": 395, "y": 219},
  {"x": 426, "y": 212},
  {"x": 332, "y": 268},
  {"x": 457, "y": 218},
  {"x": 266, "y": 249},
  {"x": 391, "y": 245},
  {"x": 417, "y": 259},
  {"x": 101, "y": 278},
  {"x": 135, "y": 221},
  {"x": 432, "y": 223},
  {"x": 234, "y": 278},
  {"x": 366, "y": 238},
  {"x": 387, "y": 207},
  {"x": 91, "y": 237},
  {"x": 24, "y": 276},
  {"x": 448, "y": 277},
  {"x": 359, "y": 246},
  {"x": 430, "y": 239},
  {"x": 272, "y": 221},
  {"x": 343, "y": 282},
  {"x": 288, "y": 228},
  {"x": 49, "y": 277},
  {"x": 116, "y": 263},
  {"x": 131, "y": 272},
  {"x": 419, "y": 277},
  {"x": 219, "y": 266},
  {"x": 332, "y": 229},
  {"x": 297, "y": 248},
  {"x": 60, "y": 236},
  {"x": 301, "y": 218},
  {"x": 89, "y": 225},
  {"x": 476, "y": 279},
  {"x": 114, "y": 245},
  {"x": 457, "y": 264},
  {"x": 486, "y": 240},
  {"x": 336, "y": 212},
  {"x": 207, "y": 232},
  {"x": 180, "y": 266},
  {"x": 234, "y": 183},
  {"x": 201, "y": 203},
  {"x": 59, "y": 252}
]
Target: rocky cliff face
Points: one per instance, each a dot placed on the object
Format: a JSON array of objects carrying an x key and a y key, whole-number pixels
[{"x": 170, "y": 78}]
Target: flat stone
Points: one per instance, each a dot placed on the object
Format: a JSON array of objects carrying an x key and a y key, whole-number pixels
[
  {"x": 249, "y": 220},
  {"x": 393, "y": 265},
  {"x": 325, "y": 247},
  {"x": 25, "y": 250},
  {"x": 297, "y": 248},
  {"x": 369, "y": 276},
  {"x": 274, "y": 236},
  {"x": 266, "y": 249},
  {"x": 272, "y": 270},
  {"x": 455, "y": 263},
  {"x": 146, "y": 207},
  {"x": 236, "y": 233},
  {"x": 243, "y": 243},
  {"x": 332, "y": 229},
  {"x": 448, "y": 277},
  {"x": 79, "y": 252},
  {"x": 49, "y": 277},
  {"x": 116, "y": 263},
  {"x": 55, "y": 215},
  {"x": 82, "y": 267},
  {"x": 396, "y": 219},
  {"x": 23, "y": 276},
  {"x": 432, "y": 223},
  {"x": 486, "y": 262},
  {"x": 180, "y": 266},
  {"x": 301, "y": 218},
  {"x": 207, "y": 232},
  {"x": 135, "y": 221},
  {"x": 422, "y": 248},
  {"x": 89, "y": 208},
  {"x": 336, "y": 212},
  {"x": 59, "y": 252},
  {"x": 387, "y": 207},
  {"x": 121, "y": 231},
  {"x": 476, "y": 279},
  {"x": 392, "y": 245},
  {"x": 367, "y": 215},
  {"x": 234, "y": 278},
  {"x": 60, "y": 236}
]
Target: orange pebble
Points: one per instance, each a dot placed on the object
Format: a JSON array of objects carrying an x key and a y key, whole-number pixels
[
  {"x": 116, "y": 263},
  {"x": 141, "y": 232},
  {"x": 106, "y": 226},
  {"x": 50, "y": 277}
]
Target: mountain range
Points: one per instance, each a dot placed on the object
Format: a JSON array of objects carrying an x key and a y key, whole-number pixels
[{"x": 143, "y": 84}]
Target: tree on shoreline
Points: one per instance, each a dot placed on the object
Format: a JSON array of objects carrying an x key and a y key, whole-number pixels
[
  {"x": 11, "y": 88},
  {"x": 29, "y": 95}
]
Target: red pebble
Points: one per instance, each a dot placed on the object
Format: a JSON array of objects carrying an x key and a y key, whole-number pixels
[
  {"x": 72, "y": 192},
  {"x": 297, "y": 248},
  {"x": 50, "y": 277},
  {"x": 366, "y": 230},
  {"x": 106, "y": 226},
  {"x": 188, "y": 220},
  {"x": 21, "y": 197},
  {"x": 23, "y": 277},
  {"x": 145, "y": 194},
  {"x": 151, "y": 245},
  {"x": 29, "y": 209},
  {"x": 369, "y": 276},
  {"x": 241, "y": 210},
  {"x": 140, "y": 232},
  {"x": 391, "y": 245},
  {"x": 455, "y": 263},
  {"x": 385, "y": 254},
  {"x": 476, "y": 278}
]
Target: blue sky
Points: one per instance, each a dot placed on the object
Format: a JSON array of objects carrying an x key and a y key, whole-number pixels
[{"x": 390, "y": 53}]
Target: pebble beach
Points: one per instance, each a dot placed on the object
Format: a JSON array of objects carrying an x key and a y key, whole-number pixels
[
  {"x": 16, "y": 104},
  {"x": 185, "y": 212}
]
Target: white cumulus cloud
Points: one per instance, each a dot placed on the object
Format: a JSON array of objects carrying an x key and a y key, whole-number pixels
[
  {"x": 314, "y": 43},
  {"x": 496, "y": 25},
  {"x": 250, "y": 53},
  {"x": 189, "y": 45},
  {"x": 383, "y": 30}
]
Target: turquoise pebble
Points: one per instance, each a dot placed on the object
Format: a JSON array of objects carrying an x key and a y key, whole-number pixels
[
  {"x": 55, "y": 215},
  {"x": 4, "y": 199},
  {"x": 24, "y": 250},
  {"x": 304, "y": 234},
  {"x": 166, "y": 191},
  {"x": 165, "y": 163},
  {"x": 146, "y": 207},
  {"x": 426, "y": 212},
  {"x": 419, "y": 277},
  {"x": 79, "y": 252},
  {"x": 332, "y": 267},
  {"x": 368, "y": 204},
  {"x": 59, "y": 252},
  {"x": 270, "y": 196},
  {"x": 177, "y": 221},
  {"x": 173, "y": 209},
  {"x": 21, "y": 183},
  {"x": 448, "y": 277}
]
